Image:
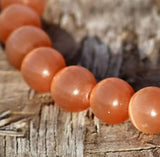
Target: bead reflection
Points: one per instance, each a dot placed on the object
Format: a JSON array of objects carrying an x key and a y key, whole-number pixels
[
  {"x": 45, "y": 73},
  {"x": 71, "y": 87},
  {"x": 109, "y": 100},
  {"x": 76, "y": 92},
  {"x": 39, "y": 72},
  {"x": 153, "y": 113},
  {"x": 115, "y": 103},
  {"x": 144, "y": 110}
]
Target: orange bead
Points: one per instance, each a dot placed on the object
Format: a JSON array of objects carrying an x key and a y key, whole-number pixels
[
  {"x": 110, "y": 99},
  {"x": 39, "y": 67},
  {"x": 144, "y": 110},
  {"x": 37, "y": 5},
  {"x": 22, "y": 41},
  {"x": 16, "y": 16},
  {"x": 71, "y": 88}
]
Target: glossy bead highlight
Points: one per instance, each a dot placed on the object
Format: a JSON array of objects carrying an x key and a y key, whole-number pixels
[
  {"x": 40, "y": 66},
  {"x": 24, "y": 40},
  {"x": 37, "y": 5},
  {"x": 110, "y": 99},
  {"x": 16, "y": 16},
  {"x": 144, "y": 110},
  {"x": 71, "y": 88}
]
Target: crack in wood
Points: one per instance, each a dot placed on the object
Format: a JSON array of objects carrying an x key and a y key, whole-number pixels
[
  {"x": 16, "y": 145},
  {"x": 4, "y": 146},
  {"x": 127, "y": 150},
  {"x": 46, "y": 150},
  {"x": 38, "y": 129}
]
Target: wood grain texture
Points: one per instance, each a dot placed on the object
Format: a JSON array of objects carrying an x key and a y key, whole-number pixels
[{"x": 52, "y": 132}]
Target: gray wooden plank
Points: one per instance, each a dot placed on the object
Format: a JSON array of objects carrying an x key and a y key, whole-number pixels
[
  {"x": 2, "y": 146},
  {"x": 41, "y": 144},
  {"x": 51, "y": 134},
  {"x": 141, "y": 153},
  {"x": 11, "y": 146}
]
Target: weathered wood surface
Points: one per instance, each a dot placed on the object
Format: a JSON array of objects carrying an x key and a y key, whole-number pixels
[{"x": 55, "y": 133}]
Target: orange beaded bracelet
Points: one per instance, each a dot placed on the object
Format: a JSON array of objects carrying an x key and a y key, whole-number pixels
[
  {"x": 74, "y": 88},
  {"x": 36, "y": 5}
]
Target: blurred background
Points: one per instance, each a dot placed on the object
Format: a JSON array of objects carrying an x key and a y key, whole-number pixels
[{"x": 129, "y": 29}]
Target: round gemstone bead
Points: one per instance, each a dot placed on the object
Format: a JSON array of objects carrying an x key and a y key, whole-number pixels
[
  {"x": 16, "y": 16},
  {"x": 39, "y": 67},
  {"x": 37, "y": 5},
  {"x": 22, "y": 41},
  {"x": 71, "y": 88},
  {"x": 144, "y": 110},
  {"x": 110, "y": 99}
]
